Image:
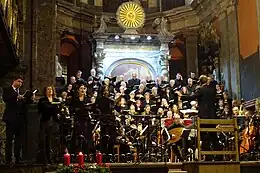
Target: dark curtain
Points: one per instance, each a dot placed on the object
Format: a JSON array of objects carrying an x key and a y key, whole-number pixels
[
  {"x": 73, "y": 64},
  {"x": 86, "y": 59}
]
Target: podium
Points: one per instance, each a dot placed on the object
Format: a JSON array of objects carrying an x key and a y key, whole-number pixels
[{"x": 222, "y": 125}]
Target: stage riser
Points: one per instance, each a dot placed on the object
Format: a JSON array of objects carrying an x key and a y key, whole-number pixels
[
  {"x": 250, "y": 169},
  {"x": 139, "y": 170},
  {"x": 212, "y": 167},
  {"x": 22, "y": 170},
  {"x": 199, "y": 167}
]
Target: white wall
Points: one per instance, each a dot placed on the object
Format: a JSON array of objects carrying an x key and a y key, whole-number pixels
[{"x": 188, "y": 2}]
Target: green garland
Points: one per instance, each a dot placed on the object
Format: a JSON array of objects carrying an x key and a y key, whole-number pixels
[{"x": 83, "y": 169}]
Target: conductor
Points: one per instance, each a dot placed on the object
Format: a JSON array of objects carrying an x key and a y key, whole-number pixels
[{"x": 206, "y": 97}]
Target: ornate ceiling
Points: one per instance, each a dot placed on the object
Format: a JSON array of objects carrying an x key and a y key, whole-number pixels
[{"x": 110, "y": 6}]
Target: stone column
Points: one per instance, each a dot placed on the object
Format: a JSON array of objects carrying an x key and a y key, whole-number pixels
[
  {"x": 234, "y": 51},
  {"x": 44, "y": 44},
  {"x": 229, "y": 52},
  {"x": 99, "y": 55},
  {"x": 192, "y": 53},
  {"x": 224, "y": 51}
]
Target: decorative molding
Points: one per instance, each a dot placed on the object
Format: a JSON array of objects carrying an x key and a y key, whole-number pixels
[
  {"x": 161, "y": 25},
  {"x": 74, "y": 11}
]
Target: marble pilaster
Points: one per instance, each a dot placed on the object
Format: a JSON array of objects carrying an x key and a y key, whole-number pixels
[
  {"x": 164, "y": 59},
  {"x": 192, "y": 53},
  {"x": 44, "y": 43},
  {"x": 99, "y": 55},
  {"x": 224, "y": 52},
  {"x": 229, "y": 52}
]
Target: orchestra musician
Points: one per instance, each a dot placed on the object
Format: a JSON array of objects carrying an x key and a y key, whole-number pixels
[
  {"x": 14, "y": 118},
  {"x": 144, "y": 97},
  {"x": 49, "y": 110}
]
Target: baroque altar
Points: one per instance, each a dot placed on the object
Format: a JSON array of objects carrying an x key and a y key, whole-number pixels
[{"x": 124, "y": 53}]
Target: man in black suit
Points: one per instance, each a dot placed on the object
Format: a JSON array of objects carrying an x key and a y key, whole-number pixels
[
  {"x": 134, "y": 81},
  {"x": 206, "y": 97},
  {"x": 14, "y": 118}
]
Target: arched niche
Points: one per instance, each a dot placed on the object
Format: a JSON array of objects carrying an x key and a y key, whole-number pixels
[
  {"x": 69, "y": 57},
  {"x": 127, "y": 66}
]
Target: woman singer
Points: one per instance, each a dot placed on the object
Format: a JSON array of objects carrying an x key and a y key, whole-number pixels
[
  {"x": 83, "y": 126},
  {"x": 48, "y": 107}
]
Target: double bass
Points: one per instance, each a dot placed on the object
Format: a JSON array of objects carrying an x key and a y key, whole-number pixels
[{"x": 248, "y": 135}]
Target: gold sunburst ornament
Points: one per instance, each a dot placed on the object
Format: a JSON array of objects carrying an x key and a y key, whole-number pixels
[{"x": 130, "y": 15}]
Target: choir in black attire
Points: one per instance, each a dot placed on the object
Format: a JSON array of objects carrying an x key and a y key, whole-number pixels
[
  {"x": 49, "y": 108},
  {"x": 15, "y": 118},
  {"x": 83, "y": 133}
]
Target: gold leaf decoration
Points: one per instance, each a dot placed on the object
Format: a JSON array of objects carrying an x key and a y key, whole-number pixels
[{"x": 130, "y": 15}]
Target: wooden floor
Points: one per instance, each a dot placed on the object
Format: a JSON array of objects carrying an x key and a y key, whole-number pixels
[{"x": 187, "y": 167}]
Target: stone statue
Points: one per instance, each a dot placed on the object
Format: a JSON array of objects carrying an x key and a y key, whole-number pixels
[
  {"x": 103, "y": 26},
  {"x": 58, "y": 67},
  {"x": 160, "y": 24}
]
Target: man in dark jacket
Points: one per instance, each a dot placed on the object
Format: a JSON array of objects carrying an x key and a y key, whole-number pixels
[
  {"x": 206, "y": 97},
  {"x": 14, "y": 118},
  {"x": 134, "y": 81}
]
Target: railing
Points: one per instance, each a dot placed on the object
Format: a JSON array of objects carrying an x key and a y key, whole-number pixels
[{"x": 221, "y": 126}]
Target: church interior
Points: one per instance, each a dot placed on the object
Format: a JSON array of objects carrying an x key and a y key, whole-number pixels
[{"x": 161, "y": 48}]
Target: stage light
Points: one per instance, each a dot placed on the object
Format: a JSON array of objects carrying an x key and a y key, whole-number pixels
[
  {"x": 132, "y": 37},
  {"x": 148, "y": 37},
  {"x": 117, "y": 37}
]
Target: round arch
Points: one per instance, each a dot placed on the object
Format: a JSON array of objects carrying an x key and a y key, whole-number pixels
[{"x": 126, "y": 64}]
